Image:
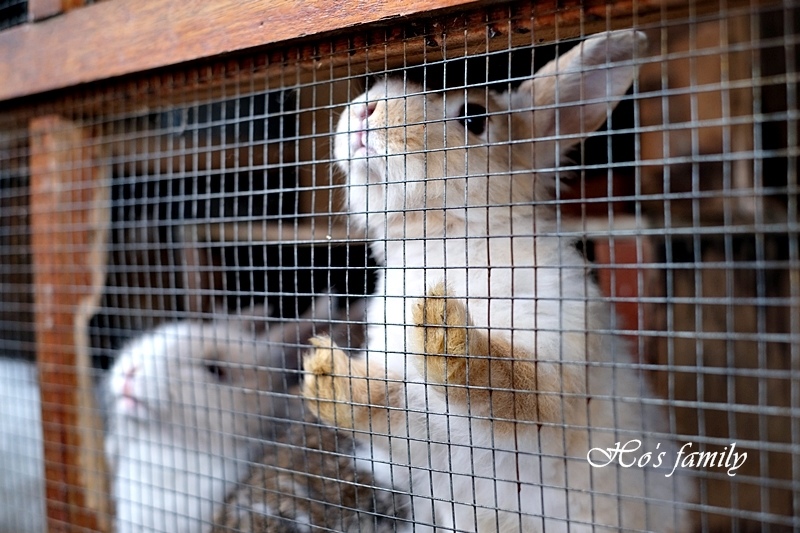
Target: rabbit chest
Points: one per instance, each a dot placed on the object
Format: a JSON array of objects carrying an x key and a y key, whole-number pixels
[{"x": 533, "y": 286}]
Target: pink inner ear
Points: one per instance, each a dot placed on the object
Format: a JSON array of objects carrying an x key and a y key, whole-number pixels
[
  {"x": 604, "y": 87},
  {"x": 560, "y": 110}
]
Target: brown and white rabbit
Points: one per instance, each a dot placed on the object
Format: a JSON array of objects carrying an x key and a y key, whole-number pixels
[
  {"x": 190, "y": 400},
  {"x": 487, "y": 379},
  {"x": 308, "y": 477},
  {"x": 308, "y": 480}
]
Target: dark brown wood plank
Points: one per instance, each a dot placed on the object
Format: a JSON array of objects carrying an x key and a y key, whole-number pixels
[{"x": 69, "y": 224}]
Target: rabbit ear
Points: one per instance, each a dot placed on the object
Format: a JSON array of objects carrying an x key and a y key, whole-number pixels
[
  {"x": 585, "y": 77},
  {"x": 289, "y": 338},
  {"x": 252, "y": 320}
]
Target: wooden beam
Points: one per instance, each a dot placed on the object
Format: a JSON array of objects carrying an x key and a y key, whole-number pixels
[
  {"x": 120, "y": 37},
  {"x": 42, "y": 9},
  {"x": 331, "y": 232},
  {"x": 70, "y": 219},
  {"x": 317, "y": 38}
]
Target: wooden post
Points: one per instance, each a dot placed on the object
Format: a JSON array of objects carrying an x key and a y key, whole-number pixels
[{"x": 70, "y": 217}]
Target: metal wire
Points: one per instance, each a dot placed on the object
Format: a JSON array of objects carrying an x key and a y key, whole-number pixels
[
  {"x": 224, "y": 205},
  {"x": 13, "y": 13}
]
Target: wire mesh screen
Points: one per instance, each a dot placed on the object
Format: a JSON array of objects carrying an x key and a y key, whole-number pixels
[
  {"x": 506, "y": 270},
  {"x": 13, "y": 13}
]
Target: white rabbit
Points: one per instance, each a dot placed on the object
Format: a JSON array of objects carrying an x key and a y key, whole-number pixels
[
  {"x": 22, "y": 508},
  {"x": 486, "y": 380},
  {"x": 190, "y": 401},
  {"x": 201, "y": 394}
]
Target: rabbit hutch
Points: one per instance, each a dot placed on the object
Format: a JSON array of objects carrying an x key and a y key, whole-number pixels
[{"x": 190, "y": 192}]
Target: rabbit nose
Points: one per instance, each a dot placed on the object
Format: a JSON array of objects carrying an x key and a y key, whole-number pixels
[
  {"x": 127, "y": 383},
  {"x": 365, "y": 110}
]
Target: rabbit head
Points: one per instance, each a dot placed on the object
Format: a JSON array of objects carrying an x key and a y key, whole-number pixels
[
  {"x": 194, "y": 379},
  {"x": 396, "y": 142}
]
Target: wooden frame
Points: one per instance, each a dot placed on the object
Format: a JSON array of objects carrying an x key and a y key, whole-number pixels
[
  {"x": 126, "y": 37},
  {"x": 70, "y": 220},
  {"x": 120, "y": 37}
]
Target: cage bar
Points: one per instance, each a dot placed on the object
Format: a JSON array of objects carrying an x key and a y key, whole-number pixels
[{"x": 69, "y": 227}]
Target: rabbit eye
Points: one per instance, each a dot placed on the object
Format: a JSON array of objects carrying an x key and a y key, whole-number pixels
[
  {"x": 473, "y": 116},
  {"x": 216, "y": 370}
]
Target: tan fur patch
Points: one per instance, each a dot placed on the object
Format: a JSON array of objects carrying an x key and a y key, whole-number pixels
[
  {"x": 494, "y": 378},
  {"x": 339, "y": 390}
]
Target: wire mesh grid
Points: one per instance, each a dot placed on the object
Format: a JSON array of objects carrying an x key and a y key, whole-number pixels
[
  {"x": 13, "y": 13},
  {"x": 183, "y": 235}
]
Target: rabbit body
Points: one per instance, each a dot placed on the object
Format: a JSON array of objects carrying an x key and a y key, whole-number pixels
[
  {"x": 190, "y": 399},
  {"x": 308, "y": 478},
  {"x": 487, "y": 392}
]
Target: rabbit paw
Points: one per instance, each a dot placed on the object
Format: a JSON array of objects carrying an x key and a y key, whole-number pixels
[
  {"x": 341, "y": 392},
  {"x": 327, "y": 385},
  {"x": 443, "y": 336},
  {"x": 484, "y": 372}
]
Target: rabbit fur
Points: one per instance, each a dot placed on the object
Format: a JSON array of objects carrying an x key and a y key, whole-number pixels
[
  {"x": 189, "y": 401},
  {"x": 22, "y": 504},
  {"x": 486, "y": 380},
  {"x": 308, "y": 480}
]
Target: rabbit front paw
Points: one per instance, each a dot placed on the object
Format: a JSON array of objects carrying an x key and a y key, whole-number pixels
[
  {"x": 443, "y": 336},
  {"x": 327, "y": 385},
  {"x": 482, "y": 371},
  {"x": 340, "y": 390}
]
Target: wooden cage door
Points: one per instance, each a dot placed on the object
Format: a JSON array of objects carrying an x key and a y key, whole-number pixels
[{"x": 70, "y": 219}]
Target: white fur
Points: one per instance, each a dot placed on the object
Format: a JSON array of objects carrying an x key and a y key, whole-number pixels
[
  {"x": 22, "y": 508},
  {"x": 489, "y": 233},
  {"x": 180, "y": 436}
]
